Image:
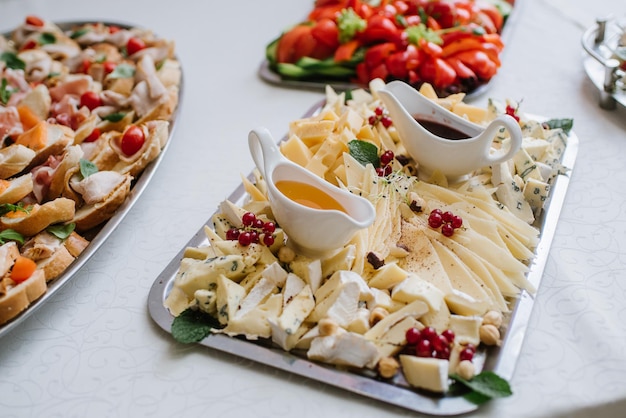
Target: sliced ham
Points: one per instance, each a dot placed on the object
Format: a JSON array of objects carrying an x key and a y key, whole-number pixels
[
  {"x": 98, "y": 186},
  {"x": 74, "y": 84},
  {"x": 10, "y": 124}
]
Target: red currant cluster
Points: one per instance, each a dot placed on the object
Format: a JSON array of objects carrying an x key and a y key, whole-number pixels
[
  {"x": 428, "y": 343},
  {"x": 254, "y": 231},
  {"x": 380, "y": 116},
  {"x": 511, "y": 111},
  {"x": 446, "y": 220},
  {"x": 385, "y": 163}
]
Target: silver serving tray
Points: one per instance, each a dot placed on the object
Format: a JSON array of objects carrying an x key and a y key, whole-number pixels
[
  {"x": 272, "y": 77},
  {"x": 501, "y": 359},
  {"x": 107, "y": 229}
]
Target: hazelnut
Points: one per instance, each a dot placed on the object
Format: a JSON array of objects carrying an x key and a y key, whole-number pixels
[
  {"x": 465, "y": 369},
  {"x": 388, "y": 367},
  {"x": 489, "y": 334},
  {"x": 286, "y": 254},
  {"x": 377, "y": 314},
  {"x": 493, "y": 318}
]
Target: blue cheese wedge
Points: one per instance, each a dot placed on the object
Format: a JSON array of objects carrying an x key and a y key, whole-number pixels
[{"x": 344, "y": 349}]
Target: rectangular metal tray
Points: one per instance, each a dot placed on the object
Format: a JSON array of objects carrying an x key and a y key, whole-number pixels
[
  {"x": 107, "y": 229},
  {"x": 500, "y": 360}
]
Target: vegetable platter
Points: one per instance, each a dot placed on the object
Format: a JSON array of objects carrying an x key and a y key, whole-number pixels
[
  {"x": 454, "y": 45},
  {"x": 426, "y": 308},
  {"x": 87, "y": 110}
]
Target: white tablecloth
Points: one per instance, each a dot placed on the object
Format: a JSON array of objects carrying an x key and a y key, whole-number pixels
[{"x": 93, "y": 350}]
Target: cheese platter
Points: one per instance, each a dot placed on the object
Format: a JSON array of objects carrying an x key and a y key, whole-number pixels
[
  {"x": 240, "y": 309},
  {"x": 86, "y": 80}
]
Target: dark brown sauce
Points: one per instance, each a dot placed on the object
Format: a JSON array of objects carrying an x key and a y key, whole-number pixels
[{"x": 439, "y": 129}]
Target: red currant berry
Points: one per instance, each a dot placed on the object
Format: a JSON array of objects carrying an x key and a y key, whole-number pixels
[
  {"x": 245, "y": 238},
  {"x": 378, "y": 111},
  {"x": 413, "y": 335},
  {"x": 466, "y": 354},
  {"x": 440, "y": 342},
  {"x": 269, "y": 227},
  {"x": 447, "y": 230},
  {"x": 471, "y": 347},
  {"x": 437, "y": 211},
  {"x": 429, "y": 333},
  {"x": 449, "y": 335},
  {"x": 372, "y": 120},
  {"x": 444, "y": 353},
  {"x": 447, "y": 216},
  {"x": 387, "y": 170},
  {"x": 434, "y": 220},
  {"x": 268, "y": 240},
  {"x": 386, "y": 157},
  {"x": 258, "y": 223},
  {"x": 386, "y": 121},
  {"x": 254, "y": 237},
  {"x": 232, "y": 234},
  {"x": 424, "y": 348},
  {"x": 457, "y": 221},
  {"x": 380, "y": 172},
  {"x": 248, "y": 218}
]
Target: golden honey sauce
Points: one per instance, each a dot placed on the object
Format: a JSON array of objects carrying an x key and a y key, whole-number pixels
[{"x": 308, "y": 195}]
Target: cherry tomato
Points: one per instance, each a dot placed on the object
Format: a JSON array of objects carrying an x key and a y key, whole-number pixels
[
  {"x": 479, "y": 62},
  {"x": 380, "y": 29},
  {"x": 113, "y": 29},
  {"x": 134, "y": 45},
  {"x": 326, "y": 32},
  {"x": 377, "y": 54},
  {"x": 396, "y": 64},
  {"x": 109, "y": 66},
  {"x": 30, "y": 44},
  {"x": 93, "y": 136},
  {"x": 90, "y": 99},
  {"x": 437, "y": 72},
  {"x": 132, "y": 140},
  {"x": 34, "y": 21}
]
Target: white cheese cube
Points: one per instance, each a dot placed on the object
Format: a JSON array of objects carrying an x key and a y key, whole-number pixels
[
  {"x": 414, "y": 287},
  {"x": 425, "y": 372},
  {"x": 466, "y": 329},
  {"x": 344, "y": 349}
]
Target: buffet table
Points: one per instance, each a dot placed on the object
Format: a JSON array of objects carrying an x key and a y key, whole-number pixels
[{"x": 93, "y": 349}]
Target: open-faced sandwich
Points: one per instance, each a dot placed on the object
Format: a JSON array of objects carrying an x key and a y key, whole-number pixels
[{"x": 83, "y": 110}]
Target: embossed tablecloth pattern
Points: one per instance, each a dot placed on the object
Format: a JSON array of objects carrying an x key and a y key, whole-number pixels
[{"x": 93, "y": 349}]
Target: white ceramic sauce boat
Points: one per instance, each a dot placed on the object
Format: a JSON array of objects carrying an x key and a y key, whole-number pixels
[
  {"x": 312, "y": 232},
  {"x": 455, "y": 158}
]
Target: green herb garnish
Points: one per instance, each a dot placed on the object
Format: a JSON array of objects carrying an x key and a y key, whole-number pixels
[
  {"x": 349, "y": 24},
  {"x": 47, "y": 38},
  {"x": 122, "y": 71},
  {"x": 12, "y": 61},
  {"x": 9, "y": 207},
  {"x": 192, "y": 326},
  {"x": 417, "y": 32},
  {"x": 5, "y": 91},
  {"x": 10, "y": 235},
  {"x": 114, "y": 117},
  {"x": 87, "y": 168},
  {"x": 61, "y": 231},
  {"x": 364, "y": 152},
  {"x": 483, "y": 387},
  {"x": 80, "y": 32},
  {"x": 565, "y": 124}
]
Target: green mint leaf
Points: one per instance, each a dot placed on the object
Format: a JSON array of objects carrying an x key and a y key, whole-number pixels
[
  {"x": 11, "y": 235},
  {"x": 47, "y": 38},
  {"x": 123, "y": 71},
  {"x": 12, "y": 61},
  {"x": 114, "y": 117},
  {"x": 485, "y": 386},
  {"x": 61, "y": 231},
  {"x": 192, "y": 326},
  {"x": 364, "y": 152},
  {"x": 87, "y": 168},
  {"x": 565, "y": 124}
]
